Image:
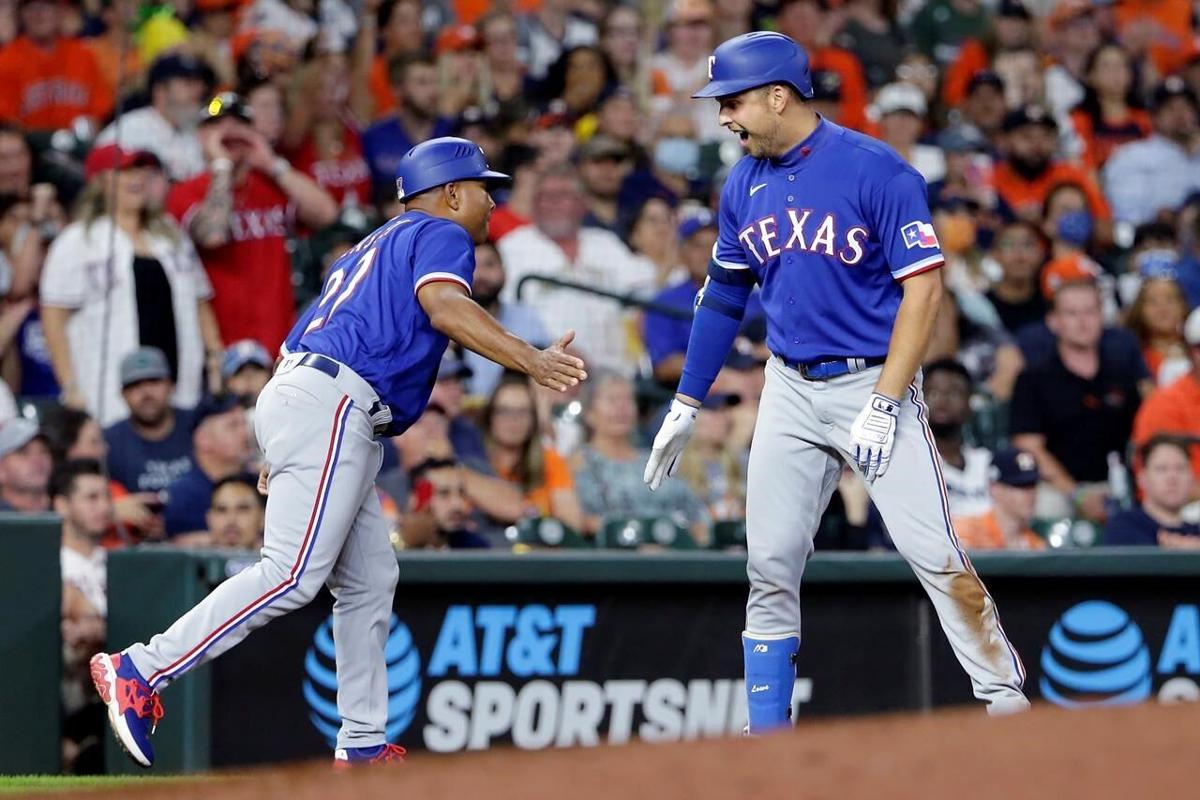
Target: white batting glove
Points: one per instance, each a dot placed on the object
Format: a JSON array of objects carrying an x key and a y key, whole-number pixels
[
  {"x": 669, "y": 443},
  {"x": 873, "y": 434}
]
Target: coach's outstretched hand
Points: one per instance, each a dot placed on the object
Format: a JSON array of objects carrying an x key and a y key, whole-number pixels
[
  {"x": 557, "y": 369},
  {"x": 669, "y": 443}
]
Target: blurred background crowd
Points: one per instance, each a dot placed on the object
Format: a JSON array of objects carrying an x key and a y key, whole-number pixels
[{"x": 176, "y": 180}]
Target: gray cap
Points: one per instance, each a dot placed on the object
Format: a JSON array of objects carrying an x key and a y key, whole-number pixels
[
  {"x": 15, "y": 433},
  {"x": 144, "y": 364}
]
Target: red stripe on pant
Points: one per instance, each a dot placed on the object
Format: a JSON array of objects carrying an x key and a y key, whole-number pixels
[{"x": 321, "y": 490}]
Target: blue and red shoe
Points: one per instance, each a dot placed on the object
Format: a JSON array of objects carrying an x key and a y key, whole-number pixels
[
  {"x": 133, "y": 707},
  {"x": 351, "y": 757}
]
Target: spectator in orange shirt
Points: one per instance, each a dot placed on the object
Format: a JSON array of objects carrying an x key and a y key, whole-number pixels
[
  {"x": 400, "y": 30},
  {"x": 1012, "y": 29},
  {"x": 517, "y": 452},
  {"x": 1014, "y": 480},
  {"x": 806, "y": 21},
  {"x": 1160, "y": 29},
  {"x": 1109, "y": 115},
  {"x": 50, "y": 80},
  {"x": 1029, "y": 170},
  {"x": 1175, "y": 409}
]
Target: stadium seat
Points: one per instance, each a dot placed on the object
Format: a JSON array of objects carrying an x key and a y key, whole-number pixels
[
  {"x": 1067, "y": 532},
  {"x": 728, "y": 533},
  {"x": 631, "y": 533},
  {"x": 545, "y": 532}
]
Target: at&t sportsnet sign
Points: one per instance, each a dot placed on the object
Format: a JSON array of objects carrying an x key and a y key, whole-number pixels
[
  {"x": 1097, "y": 654},
  {"x": 515, "y": 673}
]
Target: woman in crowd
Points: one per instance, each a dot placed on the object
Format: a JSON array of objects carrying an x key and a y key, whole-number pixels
[
  {"x": 609, "y": 468},
  {"x": 578, "y": 78},
  {"x": 654, "y": 235},
  {"x": 715, "y": 470},
  {"x": 623, "y": 41},
  {"x": 1156, "y": 319},
  {"x": 1109, "y": 115},
  {"x": 518, "y": 453},
  {"x": 122, "y": 275},
  {"x": 502, "y": 75}
]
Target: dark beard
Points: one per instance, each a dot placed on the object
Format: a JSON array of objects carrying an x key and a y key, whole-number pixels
[
  {"x": 945, "y": 430},
  {"x": 153, "y": 420},
  {"x": 1029, "y": 170},
  {"x": 487, "y": 298}
]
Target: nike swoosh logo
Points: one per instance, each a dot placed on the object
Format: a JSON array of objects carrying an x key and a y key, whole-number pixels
[{"x": 754, "y": 189}]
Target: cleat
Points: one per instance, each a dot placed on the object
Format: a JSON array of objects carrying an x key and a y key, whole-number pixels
[
  {"x": 134, "y": 709},
  {"x": 345, "y": 758}
]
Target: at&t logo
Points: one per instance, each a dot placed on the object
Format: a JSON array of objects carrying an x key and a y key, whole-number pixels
[
  {"x": 1097, "y": 655},
  {"x": 403, "y": 681}
]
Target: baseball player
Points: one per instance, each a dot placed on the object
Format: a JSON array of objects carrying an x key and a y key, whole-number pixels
[
  {"x": 358, "y": 365},
  {"x": 835, "y": 229}
]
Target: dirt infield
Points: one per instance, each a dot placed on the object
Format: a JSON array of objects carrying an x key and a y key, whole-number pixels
[{"x": 1147, "y": 751}]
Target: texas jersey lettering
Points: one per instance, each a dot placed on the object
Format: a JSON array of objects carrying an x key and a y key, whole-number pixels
[{"x": 826, "y": 243}]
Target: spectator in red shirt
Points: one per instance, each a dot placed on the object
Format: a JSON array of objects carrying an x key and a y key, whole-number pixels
[
  {"x": 321, "y": 137},
  {"x": 238, "y": 212},
  {"x": 50, "y": 80}
]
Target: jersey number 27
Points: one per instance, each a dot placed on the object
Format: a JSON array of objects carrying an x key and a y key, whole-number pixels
[{"x": 334, "y": 283}]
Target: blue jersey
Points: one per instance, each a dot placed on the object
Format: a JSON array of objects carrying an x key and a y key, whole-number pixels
[
  {"x": 828, "y": 231},
  {"x": 368, "y": 317}
]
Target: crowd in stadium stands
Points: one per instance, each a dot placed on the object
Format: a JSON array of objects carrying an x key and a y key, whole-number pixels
[{"x": 176, "y": 179}]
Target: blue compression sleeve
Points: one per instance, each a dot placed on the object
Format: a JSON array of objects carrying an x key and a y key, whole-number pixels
[{"x": 718, "y": 317}]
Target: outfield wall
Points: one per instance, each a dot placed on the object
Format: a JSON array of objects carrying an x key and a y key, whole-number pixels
[{"x": 561, "y": 649}]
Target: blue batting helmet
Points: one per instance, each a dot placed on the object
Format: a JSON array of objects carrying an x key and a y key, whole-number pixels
[
  {"x": 757, "y": 59},
  {"x": 440, "y": 161}
]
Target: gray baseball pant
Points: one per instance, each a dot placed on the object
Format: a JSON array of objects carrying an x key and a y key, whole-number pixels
[
  {"x": 324, "y": 526},
  {"x": 800, "y": 440}
]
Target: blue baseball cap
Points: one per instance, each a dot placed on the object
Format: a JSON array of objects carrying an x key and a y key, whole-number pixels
[
  {"x": 695, "y": 221},
  {"x": 243, "y": 353},
  {"x": 757, "y": 59},
  {"x": 1014, "y": 467},
  {"x": 440, "y": 161}
]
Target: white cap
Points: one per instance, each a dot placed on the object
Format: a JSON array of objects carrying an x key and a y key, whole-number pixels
[
  {"x": 1191, "y": 328},
  {"x": 900, "y": 97}
]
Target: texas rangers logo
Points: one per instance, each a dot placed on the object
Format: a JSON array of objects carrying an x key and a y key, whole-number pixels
[
  {"x": 712, "y": 60},
  {"x": 919, "y": 234}
]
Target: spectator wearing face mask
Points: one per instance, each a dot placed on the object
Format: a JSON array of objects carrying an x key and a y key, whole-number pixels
[{"x": 674, "y": 162}]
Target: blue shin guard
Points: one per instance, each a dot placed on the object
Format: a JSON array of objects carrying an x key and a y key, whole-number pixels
[{"x": 770, "y": 676}]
